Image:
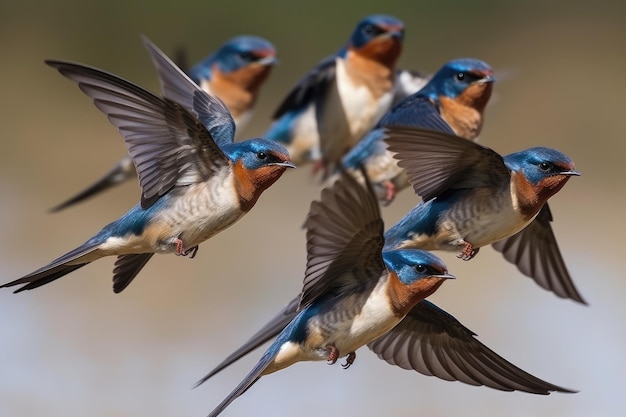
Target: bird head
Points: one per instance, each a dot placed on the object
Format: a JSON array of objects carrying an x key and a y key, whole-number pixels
[
  {"x": 539, "y": 173},
  {"x": 467, "y": 80},
  {"x": 378, "y": 37},
  {"x": 244, "y": 60},
  {"x": 414, "y": 275},
  {"x": 258, "y": 163}
]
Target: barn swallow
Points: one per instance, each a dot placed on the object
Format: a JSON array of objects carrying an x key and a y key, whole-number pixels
[
  {"x": 195, "y": 180},
  {"x": 355, "y": 294},
  {"x": 473, "y": 197},
  {"x": 408, "y": 82},
  {"x": 453, "y": 101},
  {"x": 234, "y": 73},
  {"x": 343, "y": 97}
]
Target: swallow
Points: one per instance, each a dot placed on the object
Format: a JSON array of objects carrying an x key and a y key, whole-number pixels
[
  {"x": 356, "y": 294},
  {"x": 195, "y": 180},
  {"x": 453, "y": 101},
  {"x": 235, "y": 73},
  {"x": 408, "y": 82},
  {"x": 343, "y": 97},
  {"x": 473, "y": 197}
]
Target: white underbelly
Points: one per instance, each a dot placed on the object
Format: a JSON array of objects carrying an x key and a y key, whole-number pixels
[
  {"x": 362, "y": 110},
  {"x": 350, "y": 111},
  {"x": 198, "y": 213},
  {"x": 351, "y": 323},
  {"x": 487, "y": 220}
]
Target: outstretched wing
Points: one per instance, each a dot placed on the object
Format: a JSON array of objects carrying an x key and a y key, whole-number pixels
[
  {"x": 432, "y": 342},
  {"x": 178, "y": 87},
  {"x": 344, "y": 238},
  {"x": 309, "y": 88},
  {"x": 168, "y": 144},
  {"x": 536, "y": 253},
  {"x": 436, "y": 161}
]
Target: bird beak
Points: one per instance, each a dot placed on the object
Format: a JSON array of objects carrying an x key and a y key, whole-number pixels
[
  {"x": 444, "y": 276},
  {"x": 571, "y": 172},
  {"x": 393, "y": 31},
  {"x": 396, "y": 34},
  {"x": 284, "y": 164},
  {"x": 268, "y": 60},
  {"x": 489, "y": 78}
]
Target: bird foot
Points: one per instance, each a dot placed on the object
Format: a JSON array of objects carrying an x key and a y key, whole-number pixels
[
  {"x": 390, "y": 192},
  {"x": 349, "y": 360},
  {"x": 318, "y": 166},
  {"x": 468, "y": 251},
  {"x": 333, "y": 355},
  {"x": 191, "y": 252}
]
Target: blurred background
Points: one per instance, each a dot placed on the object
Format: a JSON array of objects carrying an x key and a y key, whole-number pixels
[{"x": 74, "y": 348}]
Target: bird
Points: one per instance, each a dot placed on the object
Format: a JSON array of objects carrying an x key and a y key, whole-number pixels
[
  {"x": 195, "y": 180},
  {"x": 343, "y": 96},
  {"x": 452, "y": 101},
  {"x": 356, "y": 294},
  {"x": 408, "y": 81},
  {"x": 235, "y": 73},
  {"x": 473, "y": 197}
]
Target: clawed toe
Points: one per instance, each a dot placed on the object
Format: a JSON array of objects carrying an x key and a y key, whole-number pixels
[
  {"x": 349, "y": 360},
  {"x": 191, "y": 252},
  {"x": 333, "y": 355},
  {"x": 468, "y": 252}
]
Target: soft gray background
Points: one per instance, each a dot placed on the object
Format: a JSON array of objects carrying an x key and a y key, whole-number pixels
[{"x": 74, "y": 348}]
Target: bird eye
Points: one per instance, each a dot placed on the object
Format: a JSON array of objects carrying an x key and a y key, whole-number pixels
[
  {"x": 368, "y": 28},
  {"x": 245, "y": 55},
  {"x": 421, "y": 269},
  {"x": 460, "y": 76},
  {"x": 545, "y": 166},
  {"x": 261, "y": 155}
]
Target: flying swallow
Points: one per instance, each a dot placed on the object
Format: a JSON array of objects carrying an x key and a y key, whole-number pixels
[
  {"x": 473, "y": 197},
  {"x": 355, "y": 294},
  {"x": 195, "y": 180},
  {"x": 343, "y": 97}
]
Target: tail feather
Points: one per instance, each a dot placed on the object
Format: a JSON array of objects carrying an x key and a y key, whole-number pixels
[
  {"x": 36, "y": 281},
  {"x": 121, "y": 172},
  {"x": 268, "y": 332},
  {"x": 126, "y": 269},
  {"x": 58, "y": 268}
]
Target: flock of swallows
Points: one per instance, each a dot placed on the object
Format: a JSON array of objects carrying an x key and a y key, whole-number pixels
[{"x": 374, "y": 130}]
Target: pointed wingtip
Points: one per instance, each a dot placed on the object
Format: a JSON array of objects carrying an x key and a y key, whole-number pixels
[
  {"x": 202, "y": 381},
  {"x": 56, "y": 208}
]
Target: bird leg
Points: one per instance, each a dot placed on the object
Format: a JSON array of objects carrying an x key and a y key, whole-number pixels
[
  {"x": 468, "y": 251},
  {"x": 349, "y": 360},
  {"x": 180, "y": 252},
  {"x": 390, "y": 192},
  {"x": 333, "y": 355},
  {"x": 318, "y": 166}
]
